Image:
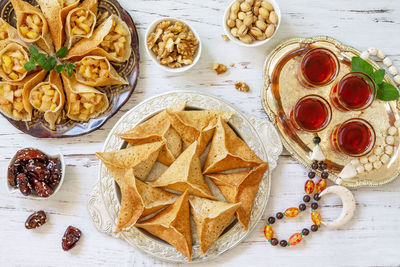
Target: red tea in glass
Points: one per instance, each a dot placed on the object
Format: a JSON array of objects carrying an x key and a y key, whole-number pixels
[
  {"x": 355, "y": 137},
  {"x": 355, "y": 91},
  {"x": 311, "y": 113},
  {"x": 318, "y": 67}
]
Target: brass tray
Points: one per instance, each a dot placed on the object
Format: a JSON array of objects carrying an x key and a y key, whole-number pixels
[
  {"x": 117, "y": 95},
  {"x": 281, "y": 91}
]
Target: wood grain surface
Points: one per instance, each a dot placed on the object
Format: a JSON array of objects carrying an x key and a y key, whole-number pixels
[{"x": 370, "y": 239}]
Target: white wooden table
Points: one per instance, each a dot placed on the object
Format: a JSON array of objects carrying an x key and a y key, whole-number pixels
[{"x": 370, "y": 239}]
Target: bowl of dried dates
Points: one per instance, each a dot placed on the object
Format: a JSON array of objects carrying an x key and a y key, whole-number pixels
[{"x": 35, "y": 174}]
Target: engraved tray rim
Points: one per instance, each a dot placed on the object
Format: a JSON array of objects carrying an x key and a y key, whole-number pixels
[{"x": 285, "y": 140}]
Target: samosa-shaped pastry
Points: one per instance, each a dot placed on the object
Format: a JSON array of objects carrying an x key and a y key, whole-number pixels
[
  {"x": 197, "y": 125},
  {"x": 241, "y": 187},
  {"x": 185, "y": 174},
  {"x": 139, "y": 200},
  {"x": 211, "y": 218},
  {"x": 173, "y": 225},
  {"x": 48, "y": 97},
  {"x": 158, "y": 128},
  {"x": 55, "y": 12},
  {"x": 32, "y": 25},
  {"x": 111, "y": 39},
  {"x": 140, "y": 158},
  {"x": 12, "y": 60},
  {"x": 80, "y": 23},
  {"x": 14, "y": 96},
  {"x": 7, "y": 32},
  {"x": 228, "y": 151},
  {"x": 83, "y": 102},
  {"x": 97, "y": 71}
]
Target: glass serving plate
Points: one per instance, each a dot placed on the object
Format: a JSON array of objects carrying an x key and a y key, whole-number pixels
[{"x": 282, "y": 90}]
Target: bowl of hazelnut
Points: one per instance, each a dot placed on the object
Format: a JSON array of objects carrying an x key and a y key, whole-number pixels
[
  {"x": 252, "y": 23},
  {"x": 173, "y": 44},
  {"x": 35, "y": 174}
]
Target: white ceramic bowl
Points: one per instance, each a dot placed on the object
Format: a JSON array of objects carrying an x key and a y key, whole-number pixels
[
  {"x": 59, "y": 156},
  {"x": 255, "y": 43},
  {"x": 153, "y": 57}
]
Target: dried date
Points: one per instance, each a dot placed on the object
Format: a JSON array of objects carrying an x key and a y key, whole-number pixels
[
  {"x": 23, "y": 184},
  {"x": 12, "y": 175},
  {"x": 37, "y": 170},
  {"x": 70, "y": 238},
  {"x": 36, "y": 220},
  {"x": 30, "y": 154},
  {"x": 41, "y": 188},
  {"x": 54, "y": 167}
]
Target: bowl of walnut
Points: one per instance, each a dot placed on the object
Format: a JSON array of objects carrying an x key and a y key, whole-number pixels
[
  {"x": 173, "y": 44},
  {"x": 252, "y": 23}
]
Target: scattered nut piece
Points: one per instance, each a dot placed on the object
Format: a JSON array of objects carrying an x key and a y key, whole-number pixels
[
  {"x": 242, "y": 86},
  {"x": 225, "y": 37},
  {"x": 219, "y": 68},
  {"x": 232, "y": 65},
  {"x": 173, "y": 43}
]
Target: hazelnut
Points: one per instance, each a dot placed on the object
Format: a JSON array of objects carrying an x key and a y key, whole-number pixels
[
  {"x": 256, "y": 32},
  {"x": 238, "y": 23},
  {"x": 241, "y": 15},
  {"x": 270, "y": 30},
  {"x": 273, "y": 17},
  {"x": 246, "y": 39},
  {"x": 235, "y": 7},
  {"x": 242, "y": 30},
  {"x": 233, "y": 16},
  {"x": 234, "y": 32},
  {"x": 264, "y": 12},
  {"x": 267, "y": 5},
  {"x": 230, "y": 23},
  {"x": 261, "y": 25},
  {"x": 248, "y": 20},
  {"x": 244, "y": 6}
]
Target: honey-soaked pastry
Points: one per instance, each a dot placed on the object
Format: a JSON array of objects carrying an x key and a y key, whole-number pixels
[
  {"x": 97, "y": 71},
  {"x": 14, "y": 96},
  {"x": 12, "y": 60},
  {"x": 32, "y": 25},
  {"x": 48, "y": 97},
  {"x": 80, "y": 23},
  {"x": 83, "y": 102},
  {"x": 111, "y": 39}
]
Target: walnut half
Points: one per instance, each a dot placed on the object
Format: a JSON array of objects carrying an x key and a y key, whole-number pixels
[
  {"x": 242, "y": 86},
  {"x": 219, "y": 68}
]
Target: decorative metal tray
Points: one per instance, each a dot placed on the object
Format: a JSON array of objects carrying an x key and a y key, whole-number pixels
[
  {"x": 117, "y": 95},
  {"x": 104, "y": 203},
  {"x": 282, "y": 90}
]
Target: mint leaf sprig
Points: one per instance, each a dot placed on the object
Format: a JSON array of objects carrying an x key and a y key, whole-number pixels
[
  {"x": 384, "y": 91},
  {"x": 49, "y": 62}
]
